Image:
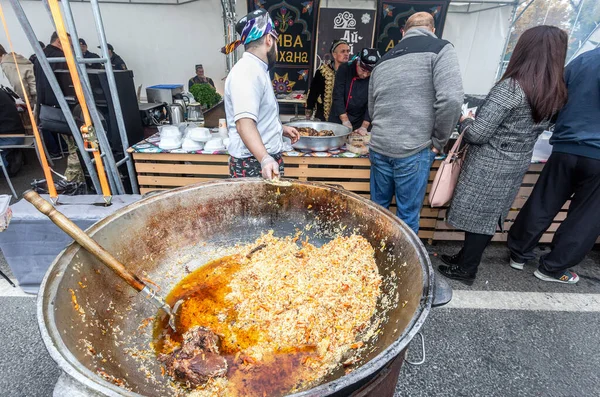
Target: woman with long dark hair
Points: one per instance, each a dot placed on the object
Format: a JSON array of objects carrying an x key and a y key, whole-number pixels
[{"x": 501, "y": 139}]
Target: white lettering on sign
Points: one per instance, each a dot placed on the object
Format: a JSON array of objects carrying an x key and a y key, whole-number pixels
[
  {"x": 351, "y": 38},
  {"x": 344, "y": 20}
]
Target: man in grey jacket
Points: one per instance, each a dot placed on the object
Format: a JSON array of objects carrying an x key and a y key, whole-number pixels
[{"x": 415, "y": 98}]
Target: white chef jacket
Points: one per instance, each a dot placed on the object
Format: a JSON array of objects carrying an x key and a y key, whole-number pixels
[{"x": 249, "y": 94}]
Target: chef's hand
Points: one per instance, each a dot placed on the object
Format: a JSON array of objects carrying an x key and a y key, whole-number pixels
[
  {"x": 270, "y": 167},
  {"x": 347, "y": 123},
  {"x": 291, "y": 133},
  {"x": 362, "y": 131}
]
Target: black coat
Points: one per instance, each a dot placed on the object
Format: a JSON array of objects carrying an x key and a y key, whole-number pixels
[
  {"x": 350, "y": 95},
  {"x": 196, "y": 80},
  {"x": 91, "y": 55},
  {"x": 45, "y": 96},
  {"x": 10, "y": 121},
  {"x": 320, "y": 95},
  {"x": 117, "y": 62}
]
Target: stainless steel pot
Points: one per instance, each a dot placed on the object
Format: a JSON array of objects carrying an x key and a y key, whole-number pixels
[
  {"x": 195, "y": 112},
  {"x": 181, "y": 102},
  {"x": 176, "y": 113},
  {"x": 92, "y": 324},
  {"x": 321, "y": 143}
]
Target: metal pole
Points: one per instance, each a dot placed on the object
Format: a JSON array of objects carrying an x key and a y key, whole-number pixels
[
  {"x": 547, "y": 12},
  {"x": 112, "y": 84},
  {"x": 109, "y": 160},
  {"x": 588, "y": 38},
  {"x": 56, "y": 89},
  {"x": 225, "y": 9},
  {"x": 116, "y": 186},
  {"x": 576, "y": 18},
  {"x": 514, "y": 18},
  {"x": 79, "y": 60}
]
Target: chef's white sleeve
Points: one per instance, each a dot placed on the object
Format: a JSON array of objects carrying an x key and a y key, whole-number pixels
[{"x": 245, "y": 97}]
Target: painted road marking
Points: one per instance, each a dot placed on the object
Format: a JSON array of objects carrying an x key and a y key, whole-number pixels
[
  {"x": 535, "y": 301},
  {"x": 463, "y": 299},
  {"x": 8, "y": 290}
]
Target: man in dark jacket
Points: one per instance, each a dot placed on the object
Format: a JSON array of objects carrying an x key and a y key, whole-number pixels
[
  {"x": 572, "y": 172},
  {"x": 10, "y": 124},
  {"x": 45, "y": 95},
  {"x": 44, "y": 91},
  {"x": 320, "y": 95},
  {"x": 200, "y": 78},
  {"x": 351, "y": 91},
  {"x": 115, "y": 60},
  {"x": 89, "y": 55},
  {"x": 33, "y": 57}
]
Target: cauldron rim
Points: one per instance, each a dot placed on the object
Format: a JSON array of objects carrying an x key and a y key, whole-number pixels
[{"x": 61, "y": 354}]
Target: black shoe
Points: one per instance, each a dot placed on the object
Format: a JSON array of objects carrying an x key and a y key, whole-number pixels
[
  {"x": 456, "y": 273},
  {"x": 450, "y": 260}
]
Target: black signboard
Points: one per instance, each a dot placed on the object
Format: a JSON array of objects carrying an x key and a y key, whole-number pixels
[
  {"x": 392, "y": 16},
  {"x": 356, "y": 26},
  {"x": 295, "y": 22}
]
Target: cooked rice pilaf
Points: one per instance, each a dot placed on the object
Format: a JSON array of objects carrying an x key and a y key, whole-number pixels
[{"x": 301, "y": 296}]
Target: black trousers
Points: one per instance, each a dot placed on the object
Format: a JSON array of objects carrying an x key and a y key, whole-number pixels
[
  {"x": 472, "y": 251},
  {"x": 564, "y": 176}
]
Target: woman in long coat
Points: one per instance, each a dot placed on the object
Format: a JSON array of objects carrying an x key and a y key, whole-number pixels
[{"x": 501, "y": 140}]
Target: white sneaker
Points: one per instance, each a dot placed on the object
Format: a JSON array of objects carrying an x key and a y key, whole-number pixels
[
  {"x": 567, "y": 277},
  {"x": 516, "y": 265}
]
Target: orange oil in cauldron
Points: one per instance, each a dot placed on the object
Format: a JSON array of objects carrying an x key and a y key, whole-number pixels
[{"x": 204, "y": 292}]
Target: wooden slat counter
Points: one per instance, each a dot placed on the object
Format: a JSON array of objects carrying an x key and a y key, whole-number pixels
[{"x": 160, "y": 171}]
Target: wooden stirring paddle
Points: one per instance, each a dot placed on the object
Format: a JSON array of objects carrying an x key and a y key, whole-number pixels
[{"x": 91, "y": 246}]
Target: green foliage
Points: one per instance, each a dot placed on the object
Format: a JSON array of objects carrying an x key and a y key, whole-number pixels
[{"x": 205, "y": 94}]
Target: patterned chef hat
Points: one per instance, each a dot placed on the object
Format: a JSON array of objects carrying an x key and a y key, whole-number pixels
[{"x": 251, "y": 28}]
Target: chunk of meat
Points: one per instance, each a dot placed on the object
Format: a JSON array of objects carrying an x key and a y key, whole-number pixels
[
  {"x": 197, "y": 360},
  {"x": 308, "y": 131}
]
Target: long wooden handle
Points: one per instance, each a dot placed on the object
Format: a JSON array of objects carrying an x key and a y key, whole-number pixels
[{"x": 67, "y": 226}]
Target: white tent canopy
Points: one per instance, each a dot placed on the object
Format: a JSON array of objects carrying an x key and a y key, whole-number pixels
[
  {"x": 479, "y": 30},
  {"x": 163, "y": 41}
]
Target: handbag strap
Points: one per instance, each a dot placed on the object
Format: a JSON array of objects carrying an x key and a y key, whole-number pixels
[{"x": 455, "y": 149}]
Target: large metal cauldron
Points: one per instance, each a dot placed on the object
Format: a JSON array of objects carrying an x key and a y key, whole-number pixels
[{"x": 156, "y": 237}]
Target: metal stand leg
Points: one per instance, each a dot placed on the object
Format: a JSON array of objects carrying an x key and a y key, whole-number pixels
[
  {"x": 48, "y": 157},
  {"x": 10, "y": 185},
  {"x": 7, "y": 279},
  {"x": 109, "y": 161},
  {"x": 113, "y": 93}
]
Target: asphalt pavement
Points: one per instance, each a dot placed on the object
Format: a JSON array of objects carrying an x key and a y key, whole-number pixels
[{"x": 507, "y": 335}]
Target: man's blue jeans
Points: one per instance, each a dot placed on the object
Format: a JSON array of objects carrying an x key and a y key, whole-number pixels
[{"x": 406, "y": 178}]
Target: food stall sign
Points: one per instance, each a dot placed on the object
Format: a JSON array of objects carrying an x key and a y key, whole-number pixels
[
  {"x": 392, "y": 16},
  {"x": 355, "y": 26},
  {"x": 295, "y": 22}
]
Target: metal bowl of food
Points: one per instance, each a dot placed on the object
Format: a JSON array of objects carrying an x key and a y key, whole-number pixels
[{"x": 320, "y": 136}]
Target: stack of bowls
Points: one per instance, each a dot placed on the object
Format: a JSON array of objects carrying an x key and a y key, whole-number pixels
[{"x": 170, "y": 137}]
